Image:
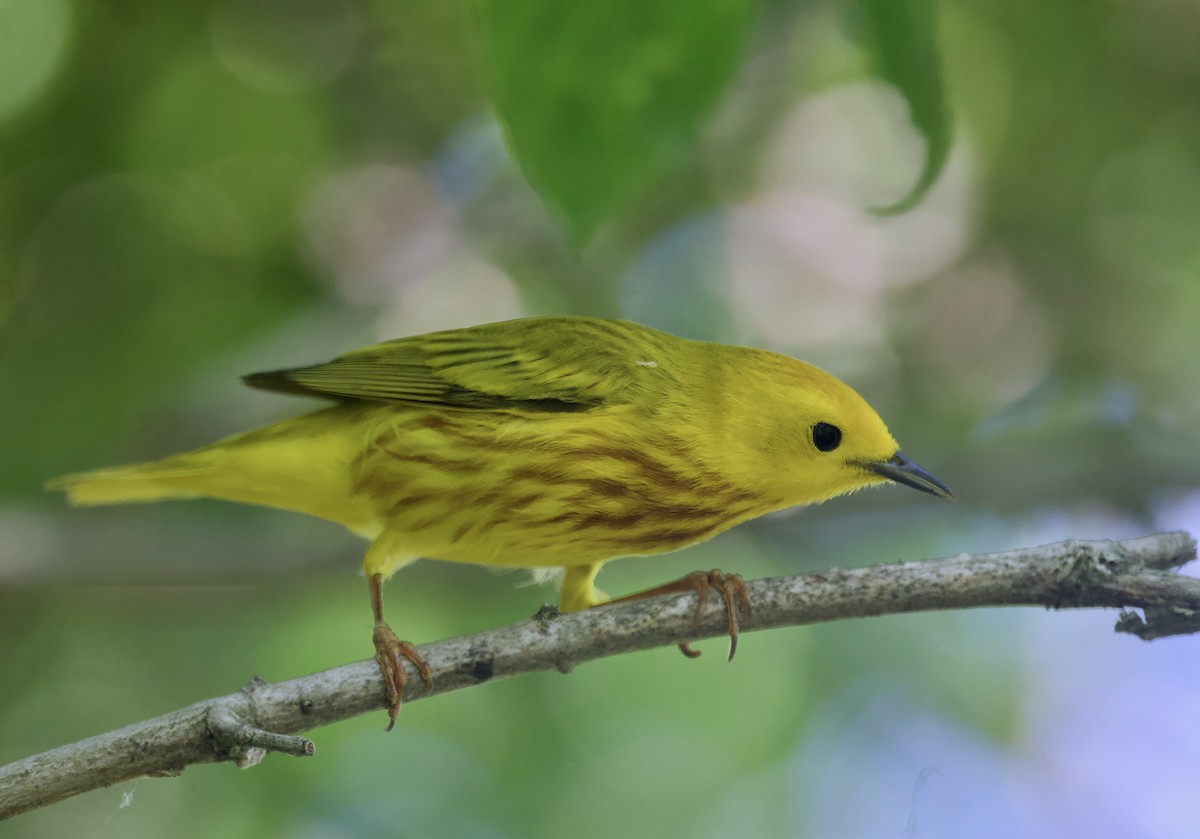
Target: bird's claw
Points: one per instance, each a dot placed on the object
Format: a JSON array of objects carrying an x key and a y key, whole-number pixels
[
  {"x": 391, "y": 654},
  {"x": 730, "y": 586},
  {"x": 733, "y": 592}
]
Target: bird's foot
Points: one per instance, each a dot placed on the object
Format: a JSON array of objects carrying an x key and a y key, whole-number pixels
[
  {"x": 391, "y": 653},
  {"x": 731, "y": 588}
]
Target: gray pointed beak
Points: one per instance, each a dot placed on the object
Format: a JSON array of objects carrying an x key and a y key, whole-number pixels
[{"x": 903, "y": 471}]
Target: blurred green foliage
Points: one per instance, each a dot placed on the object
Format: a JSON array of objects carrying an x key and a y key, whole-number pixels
[
  {"x": 192, "y": 192},
  {"x": 598, "y": 102},
  {"x": 905, "y": 41}
]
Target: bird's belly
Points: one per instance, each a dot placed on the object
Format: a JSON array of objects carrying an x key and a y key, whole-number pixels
[{"x": 534, "y": 529}]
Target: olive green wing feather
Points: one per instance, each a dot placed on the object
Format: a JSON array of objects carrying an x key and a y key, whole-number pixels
[{"x": 532, "y": 364}]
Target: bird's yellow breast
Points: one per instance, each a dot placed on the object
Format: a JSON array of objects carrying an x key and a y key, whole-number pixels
[{"x": 571, "y": 489}]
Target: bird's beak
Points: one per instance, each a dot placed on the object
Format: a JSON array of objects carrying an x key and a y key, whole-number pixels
[{"x": 903, "y": 471}]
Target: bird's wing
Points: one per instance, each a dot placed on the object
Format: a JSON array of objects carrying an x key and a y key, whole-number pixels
[{"x": 533, "y": 364}]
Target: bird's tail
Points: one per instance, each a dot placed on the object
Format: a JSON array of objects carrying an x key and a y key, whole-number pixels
[
  {"x": 300, "y": 465},
  {"x": 173, "y": 477}
]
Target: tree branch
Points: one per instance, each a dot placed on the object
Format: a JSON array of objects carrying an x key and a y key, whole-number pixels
[{"x": 264, "y": 717}]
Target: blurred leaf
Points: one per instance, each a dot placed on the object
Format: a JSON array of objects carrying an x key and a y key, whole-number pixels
[
  {"x": 902, "y": 37},
  {"x": 599, "y": 99}
]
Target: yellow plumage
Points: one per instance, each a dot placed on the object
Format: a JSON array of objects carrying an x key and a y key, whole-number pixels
[{"x": 540, "y": 442}]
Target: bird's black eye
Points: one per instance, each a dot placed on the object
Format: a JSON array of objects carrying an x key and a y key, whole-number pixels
[{"x": 826, "y": 437}]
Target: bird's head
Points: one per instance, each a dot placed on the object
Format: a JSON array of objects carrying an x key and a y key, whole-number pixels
[{"x": 817, "y": 438}]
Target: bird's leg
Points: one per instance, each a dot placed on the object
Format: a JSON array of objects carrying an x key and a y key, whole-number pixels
[
  {"x": 579, "y": 588},
  {"x": 390, "y": 652},
  {"x": 730, "y": 586}
]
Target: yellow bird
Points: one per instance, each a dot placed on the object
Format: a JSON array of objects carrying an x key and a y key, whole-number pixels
[{"x": 541, "y": 442}]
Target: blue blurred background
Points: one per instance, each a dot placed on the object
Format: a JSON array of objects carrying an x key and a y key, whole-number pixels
[{"x": 190, "y": 192}]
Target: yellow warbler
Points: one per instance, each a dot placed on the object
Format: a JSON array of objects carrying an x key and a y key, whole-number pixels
[{"x": 541, "y": 442}]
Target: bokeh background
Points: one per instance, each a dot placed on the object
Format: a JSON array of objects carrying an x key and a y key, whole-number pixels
[{"x": 190, "y": 192}]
